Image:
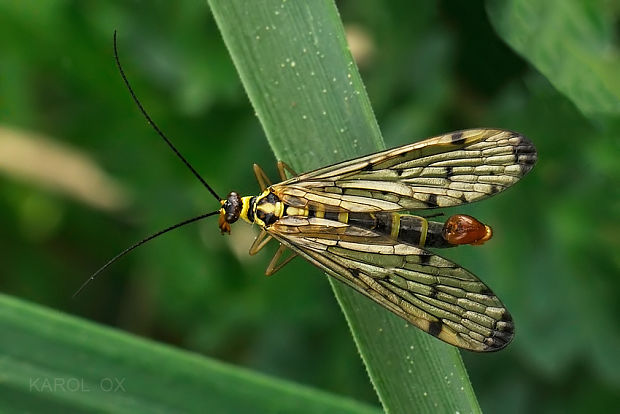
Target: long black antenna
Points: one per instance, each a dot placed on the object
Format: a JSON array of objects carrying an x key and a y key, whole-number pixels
[
  {"x": 138, "y": 244},
  {"x": 155, "y": 127}
]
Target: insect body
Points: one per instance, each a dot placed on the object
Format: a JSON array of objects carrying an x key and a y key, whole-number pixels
[
  {"x": 350, "y": 220},
  {"x": 346, "y": 220}
]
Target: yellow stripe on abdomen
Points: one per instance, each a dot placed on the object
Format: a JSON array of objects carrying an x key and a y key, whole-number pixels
[
  {"x": 423, "y": 232},
  {"x": 395, "y": 225}
]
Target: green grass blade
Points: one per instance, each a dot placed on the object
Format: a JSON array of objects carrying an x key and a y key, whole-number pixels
[
  {"x": 294, "y": 63},
  {"x": 51, "y": 362},
  {"x": 573, "y": 43}
]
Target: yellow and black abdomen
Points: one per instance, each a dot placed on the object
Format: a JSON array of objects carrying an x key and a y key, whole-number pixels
[
  {"x": 421, "y": 232},
  {"x": 405, "y": 228},
  {"x": 414, "y": 230}
]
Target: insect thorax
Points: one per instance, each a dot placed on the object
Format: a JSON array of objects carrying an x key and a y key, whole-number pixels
[{"x": 264, "y": 209}]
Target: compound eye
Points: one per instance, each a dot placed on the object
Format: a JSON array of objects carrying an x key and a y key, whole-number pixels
[
  {"x": 230, "y": 214},
  {"x": 232, "y": 207}
]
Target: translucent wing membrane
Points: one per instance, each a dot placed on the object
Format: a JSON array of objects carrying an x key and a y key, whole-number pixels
[
  {"x": 443, "y": 171},
  {"x": 423, "y": 288}
]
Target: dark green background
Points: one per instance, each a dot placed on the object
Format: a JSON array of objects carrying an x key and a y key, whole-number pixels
[{"x": 434, "y": 67}]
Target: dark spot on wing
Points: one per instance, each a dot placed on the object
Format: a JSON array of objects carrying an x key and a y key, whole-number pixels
[
  {"x": 432, "y": 200},
  {"x": 506, "y": 317},
  {"x": 434, "y": 292},
  {"x": 435, "y": 327},
  {"x": 425, "y": 258},
  {"x": 457, "y": 138},
  {"x": 355, "y": 273},
  {"x": 525, "y": 154},
  {"x": 499, "y": 340},
  {"x": 449, "y": 172},
  {"x": 502, "y": 335},
  {"x": 368, "y": 167},
  {"x": 486, "y": 291},
  {"x": 400, "y": 171}
]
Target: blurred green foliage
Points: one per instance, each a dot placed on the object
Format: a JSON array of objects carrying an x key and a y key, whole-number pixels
[
  {"x": 431, "y": 67},
  {"x": 56, "y": 363}
]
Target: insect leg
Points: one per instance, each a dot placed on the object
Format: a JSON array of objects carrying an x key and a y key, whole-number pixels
[
  {"x": 261, "y": 241},
  {"x": 282, "y": 168},
  {"x": 261, "y": 177},
  {"x": 272, "y": 268}
]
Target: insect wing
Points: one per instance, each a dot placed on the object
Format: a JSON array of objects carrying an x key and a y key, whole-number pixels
[
  {"x": 430, "y": 292},
  {"x": 443, "y": 171}
]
